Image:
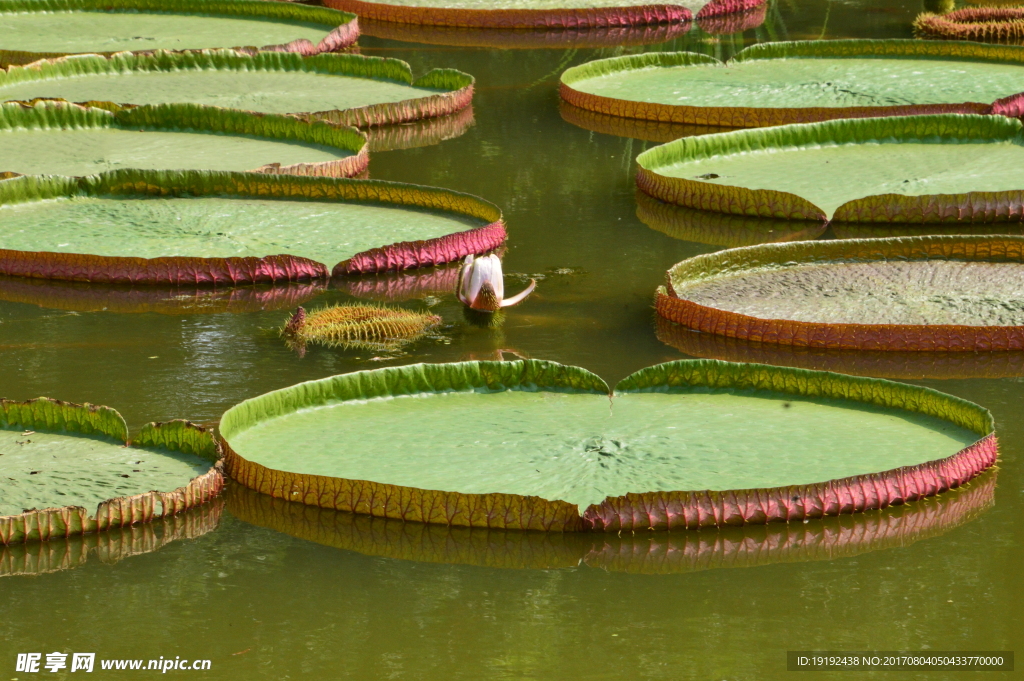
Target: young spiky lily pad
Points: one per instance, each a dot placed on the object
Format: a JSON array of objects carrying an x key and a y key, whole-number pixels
[{"x": 373, "y": 327}]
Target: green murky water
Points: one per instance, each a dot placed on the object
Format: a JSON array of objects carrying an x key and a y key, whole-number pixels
[{"x": 268, "y": 604}]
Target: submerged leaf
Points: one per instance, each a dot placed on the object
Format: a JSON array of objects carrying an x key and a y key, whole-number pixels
[{"x": 345, "y": 89}]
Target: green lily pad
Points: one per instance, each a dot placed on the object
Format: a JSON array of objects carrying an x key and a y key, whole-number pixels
[
  {"x": 231, "y": 227},
  {"x": 799, "y": 82},
  {"x": 57, "y": 138},
  {"x": 463, "y": 441},
  {"x": 74, "y": 26},
  {"x": 78, "y": 470},
  {"x": 552, "y": 15},
  {"x": 955, "y": 293},
  {"x": 59, "y": 461},
  {"x": 924, "y": 169},
  {"x": 342, "y": 88}
]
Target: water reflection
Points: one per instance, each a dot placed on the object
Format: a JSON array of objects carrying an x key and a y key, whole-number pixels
[
  {"x": 399, "y": 286},
  {"x": 720, "y": 229},
  {"x": 636, "y": 128},
  {"x": 734, "y": 23},
  {"x": 877, "y": 230},
  {"x": 646, "y": 553},
  {"x": 874, "y": 363},
  {"x": 424, "y": 133},
  {"x": 176, "y": 300},
  {"x": 110, "y": 546}
]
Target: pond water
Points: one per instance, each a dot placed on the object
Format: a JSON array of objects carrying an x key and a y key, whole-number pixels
[{"x": 260, "y": 603}]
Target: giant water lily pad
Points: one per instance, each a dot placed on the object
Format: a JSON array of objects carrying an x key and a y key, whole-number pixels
[
  {"x": 922, "y": 169},
  {"x": 111, "y": 546},
  {"x": 549, "y": 14},
  {"x": 33, "y": 29},
  {"x": 340, "y": 88},
  {"x": 146, "y": 227},
  {"x": 58, "y": 138},
  {"x": 800, "y": 82},
  {"x": 952, "y": 293},
  {"x": 538, "y": 445},
  {"x": 61, "y": 460},
  {"x": 666, "y": 553}
]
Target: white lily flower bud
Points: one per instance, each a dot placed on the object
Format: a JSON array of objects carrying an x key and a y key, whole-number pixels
[{"x": 482, "y": 284}]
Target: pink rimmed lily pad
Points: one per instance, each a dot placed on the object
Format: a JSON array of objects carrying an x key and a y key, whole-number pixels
[
  {"x": 62, "y": 460},
  {"x": 671, "y": 452},
  {"x": 62, "y": 228},
  {"x": 39, "y": 29},
  {"x": 345, "y": 89},
  {"x": 767, "y": 84}
]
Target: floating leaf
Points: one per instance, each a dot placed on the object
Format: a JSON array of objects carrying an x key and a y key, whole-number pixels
[
  {"x": 59, "y": 138},
  {"x": 203, "y": 228},
  {"x": 938, "y": 293},
  {"x": 518, "y": 14},
  {"x": 77, "y": 457},
  {"x": 501, "y": 444},
  {"x": 347, "y": 89},
  {"x": 39, "y": 29},
  {"x": 375, "y": 327},
  {"x": 911, "y": 169},
  {"x": 799, "y": 82}
]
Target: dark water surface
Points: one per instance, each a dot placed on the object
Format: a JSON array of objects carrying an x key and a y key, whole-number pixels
[{"x": 281, "y": 593}]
